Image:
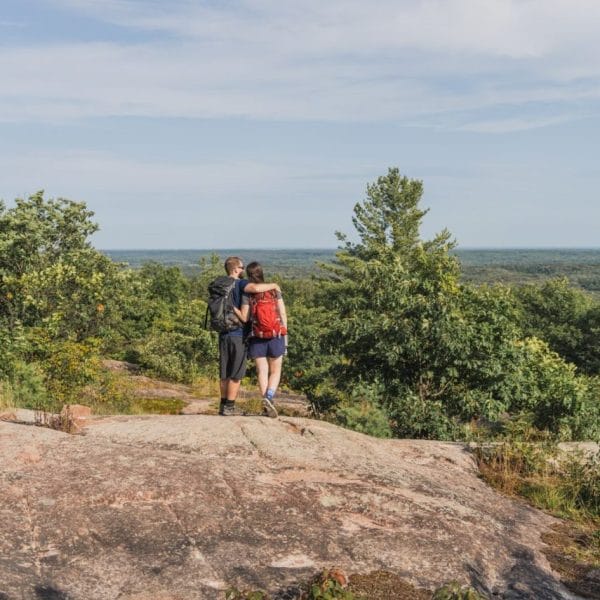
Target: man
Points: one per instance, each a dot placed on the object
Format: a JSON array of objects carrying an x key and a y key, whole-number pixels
[{"x": 232, "y": 347}]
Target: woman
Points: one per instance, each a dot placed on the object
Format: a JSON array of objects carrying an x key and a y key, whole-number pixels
[{"x": 268, "y": 338}]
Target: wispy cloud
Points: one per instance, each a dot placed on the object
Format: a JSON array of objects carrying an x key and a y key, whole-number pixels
[
  {"x": 505, "y": 27},
  {"x": 414, "y": 61}
]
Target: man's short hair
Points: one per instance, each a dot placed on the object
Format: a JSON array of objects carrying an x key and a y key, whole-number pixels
[{"x": 232, "y": 263}]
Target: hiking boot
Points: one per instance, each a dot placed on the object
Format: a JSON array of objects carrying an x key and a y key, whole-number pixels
[
  {"x": 228, "y": 409},
  {"x": 269, "y": 408}
]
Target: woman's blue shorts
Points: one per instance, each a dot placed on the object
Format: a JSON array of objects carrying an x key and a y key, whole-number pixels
[{"x": 271, "y": 348}]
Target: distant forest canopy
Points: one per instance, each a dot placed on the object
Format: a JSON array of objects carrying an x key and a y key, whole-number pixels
[{"x": 581, "y": 266}]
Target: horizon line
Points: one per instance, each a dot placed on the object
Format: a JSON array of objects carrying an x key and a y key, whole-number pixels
[{"x": 329, "y": 248}]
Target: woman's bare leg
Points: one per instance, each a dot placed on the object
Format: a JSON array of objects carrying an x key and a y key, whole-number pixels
[
  {"x": 274, "y": 372},
  {"x": 262, "y": 374}
]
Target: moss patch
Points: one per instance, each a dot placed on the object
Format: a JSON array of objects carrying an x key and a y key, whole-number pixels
[
  {"x": 156, "y": 406},
  {"x": 382, "y": 585}
]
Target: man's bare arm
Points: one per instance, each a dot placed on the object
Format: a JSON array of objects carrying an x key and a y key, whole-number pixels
[{"x": 241, "y": 314}]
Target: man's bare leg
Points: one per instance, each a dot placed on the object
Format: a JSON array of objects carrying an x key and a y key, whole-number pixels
[
  {"x": 229, "y": 392},
  {"x": 232, "y": 388}
]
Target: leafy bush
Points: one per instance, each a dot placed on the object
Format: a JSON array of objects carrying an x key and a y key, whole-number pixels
[
  {"x": 413, "y": 415},
  {"x": 365, "y": 417},
  {"x": 28, "y": 385},
  {"x": 70, "y": 368},
  {"x": 311, "y": 353},
  {"x": 109, "y": 393},
  {"x": 542, "y": 383},
  {"x": 6, "y": 396},
  {"x": 329, "y": 585},
  {"x": 13, "y": 345},
  {"x": 553, "y": 312},
  {"x": 176, "y": 356}
]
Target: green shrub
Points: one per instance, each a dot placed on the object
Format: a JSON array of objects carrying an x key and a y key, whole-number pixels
[
  {"x": 365, "y": 417},
  {"x": 540, "y": 382},
  {"x": 168, "y": 355},
  {"x": 361, "y": 410},
  {"x": 455, "y": 591},
  {"x": 584, "y": 423},
  {"x": 28, "y": 386},
  {"x": 109, "y": 393},
  {"x": 178, "y": 347},
  {"x": 415, "y": 416},
  {"x": 329, "y": 585},
  {"x": 6, "y": 396},
  {"x": 70, "y": 368}
]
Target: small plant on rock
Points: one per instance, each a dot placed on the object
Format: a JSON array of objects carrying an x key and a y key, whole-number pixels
[
  {"x": 329, "y": 585},
  {"x": 454, "y": 591},
  {"x": 235, "y": 594}
]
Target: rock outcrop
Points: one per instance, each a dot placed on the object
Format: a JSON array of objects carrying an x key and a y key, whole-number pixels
[{"x": 181, "y": 507}]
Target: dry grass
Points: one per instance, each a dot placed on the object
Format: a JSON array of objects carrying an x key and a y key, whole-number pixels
[
  {"x": 205, "y": 387},
  {"x": 566, "y": 485}
]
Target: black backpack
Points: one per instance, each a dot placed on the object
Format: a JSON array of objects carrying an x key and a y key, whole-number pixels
[{"x": 220, "y": 305}]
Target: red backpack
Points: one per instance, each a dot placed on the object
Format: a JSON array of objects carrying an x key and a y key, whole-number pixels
[{"x": 266, "y": 322}]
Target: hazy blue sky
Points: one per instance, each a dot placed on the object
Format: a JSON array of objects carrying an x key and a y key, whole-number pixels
[{"x": 233, "y": 123}]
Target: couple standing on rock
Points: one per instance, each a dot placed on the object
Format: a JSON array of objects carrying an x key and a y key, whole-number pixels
[{"x": 257, "y": 329}]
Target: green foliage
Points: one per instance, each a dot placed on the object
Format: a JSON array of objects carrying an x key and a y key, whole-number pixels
[
  {"x": 587, "y": 354},
  {"x": 555, "y": 313},
  {"x": 6, "y": 396},
  {"x": 70, "y": 368},
  {"x": 50, "y": 276},
  {"x": 584, "y": 423},
  {"x": 329, "y": 585},
  {"x": 310, "y": 353},
  {"x": 394, "y": 299},
  {"x": 165, "y": 284},
  {"x": 387, "y": 342},
  {"x": 156, "y": 406},
  {"x": 109, "y": 393},
  {"x": 403, "y": 321},
  {"x": 455, "y": 591},
  {"x": 28, "y": 385},
  {"x": 542, "y": 383},
  {"x": 364, "y": 416},
  {"x": 440, "y": 353},
  {"x": 167, "y": 355},
  {"x": 413, "y": 415},
  {"x": 177, "y": 347},
  {"x": 211, "y": 267},
  {"x": 13, "y": 345}
]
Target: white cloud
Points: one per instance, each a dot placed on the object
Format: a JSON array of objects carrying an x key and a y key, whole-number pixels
[
  {"x": 76, "y": 171},
  {"x": 409, "y": 61},
  {"x": 519, "y": 28}
]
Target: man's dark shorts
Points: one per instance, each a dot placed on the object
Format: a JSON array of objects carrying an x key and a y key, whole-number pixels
[
  {"x": 272, "y": 348},
  {"x": 232, "y": 357}
]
